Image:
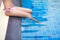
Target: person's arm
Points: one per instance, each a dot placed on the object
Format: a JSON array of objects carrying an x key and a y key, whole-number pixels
[
  {"x": 7, "y": 3},
  {"x": 11, "y": 10}
]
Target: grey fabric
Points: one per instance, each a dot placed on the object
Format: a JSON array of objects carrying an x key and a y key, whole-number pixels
[{"x": 14, "y": 26}]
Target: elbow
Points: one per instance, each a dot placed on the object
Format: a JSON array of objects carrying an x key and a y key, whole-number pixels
[{"x": 7, "y": 14}]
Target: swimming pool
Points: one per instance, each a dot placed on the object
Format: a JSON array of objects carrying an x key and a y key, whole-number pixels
[{"x": 46, "y": 11}]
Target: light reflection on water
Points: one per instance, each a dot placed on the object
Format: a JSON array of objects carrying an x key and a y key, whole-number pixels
[{"x": 47, "y": 11}]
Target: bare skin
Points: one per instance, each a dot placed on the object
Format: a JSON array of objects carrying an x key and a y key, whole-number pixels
[
  {"x": 16, "y": 11},
  {"x": 11, "y": 10}
]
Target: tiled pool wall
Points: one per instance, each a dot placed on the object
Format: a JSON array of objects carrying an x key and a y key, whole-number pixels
[{"x": 46, "y": 11}]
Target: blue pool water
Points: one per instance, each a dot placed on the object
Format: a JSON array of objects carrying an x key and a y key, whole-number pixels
[{"x": 46, "y": 11}]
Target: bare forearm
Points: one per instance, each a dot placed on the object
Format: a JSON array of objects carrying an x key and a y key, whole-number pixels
[
  {"x": 10, "y": 10},
  {"x": 7, "y": 3}
]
